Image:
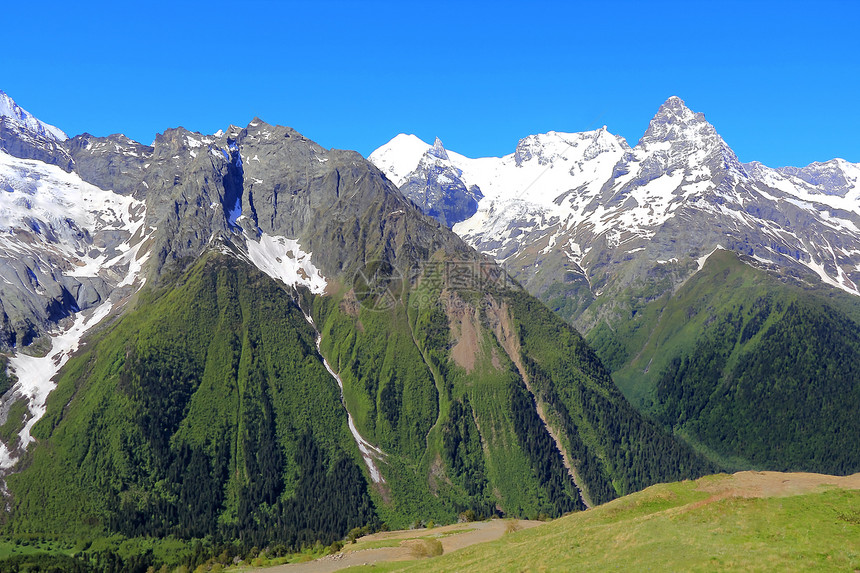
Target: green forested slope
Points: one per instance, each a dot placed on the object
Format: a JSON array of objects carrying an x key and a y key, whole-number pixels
[
  {"x": 761, "y": 371},
  {"x": 204, "y": 412},
  {"x": 452, "y": 382},
  {"x": 619, "y": 451}
]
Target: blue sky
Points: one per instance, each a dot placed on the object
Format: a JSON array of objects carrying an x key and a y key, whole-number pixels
[{"x": 779, "y": 80}]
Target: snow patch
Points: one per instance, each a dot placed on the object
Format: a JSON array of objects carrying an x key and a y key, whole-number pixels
[
  {"x": 64, "y": 215},
  {"x": 35, "y": 375},
  {"x": 702, "y": 260},
  {"x": 283, "y": 259}
]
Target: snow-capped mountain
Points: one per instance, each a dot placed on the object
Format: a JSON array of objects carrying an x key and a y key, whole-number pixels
[
  {"x": 436, "y": 183},
  {"x": 70, "y": 254},
  {"x": 66, "y": 243},
  {"x": 577, "y": 214},
  {"x": 25, "y": 137},
  {"x": 10, "y": 109}
]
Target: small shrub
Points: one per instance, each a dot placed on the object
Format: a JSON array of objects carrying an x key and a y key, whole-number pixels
[
  {"x": 467, "y": 516},
  {"x": 353, "y": 534},
  {"x": 851, "y": 517},
  {"x": 512, "y": 525},
  {"x": 422, "y": 548},
  {"x": 335, "y": 547}
]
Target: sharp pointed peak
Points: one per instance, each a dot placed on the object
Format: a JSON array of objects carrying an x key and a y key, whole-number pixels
[
  {"x": 675, "y": 109},
  {"x": 674, "y": 102},
  {"x": 257, "y": 122},
  {"x": 438, "y": 150},
  {"x": 674, "y": 121}
]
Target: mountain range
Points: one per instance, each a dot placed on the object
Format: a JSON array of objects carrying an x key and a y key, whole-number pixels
[
  {"x": 588, "y": 208},
  {"x": 241, "y": 339},
  {"x": 246, "y": 338}
]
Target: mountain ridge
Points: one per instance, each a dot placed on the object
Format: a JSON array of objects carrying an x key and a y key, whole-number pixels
[
  {"x": 680, "y": 171},
  {"x": 614, "y": 242},
  {"x": 12, "y": 110}
]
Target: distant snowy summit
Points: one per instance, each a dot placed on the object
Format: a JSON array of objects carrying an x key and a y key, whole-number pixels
[
  {"x": 10, "y": 109},
  {"x": 576, "y": 212},
  {"x": 429, "y": 176}
]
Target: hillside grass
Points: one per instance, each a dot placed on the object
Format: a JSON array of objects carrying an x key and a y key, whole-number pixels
[
  {"x": 754, "y": 370},
  {"x": 678, "y": 527}
]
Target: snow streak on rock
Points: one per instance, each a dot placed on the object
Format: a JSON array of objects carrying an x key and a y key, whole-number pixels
[
  {"x": 369, "y": 453},
  {"x": 59, "y": 233},
  {"x": 35, "y": 375}
]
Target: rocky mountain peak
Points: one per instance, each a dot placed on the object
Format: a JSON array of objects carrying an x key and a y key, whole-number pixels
[
  {"x": 678, "y": 137},
  {"x": 438, "y": 150},
  {"x": 674, "y": 121},
  {"x": 675, "y": 104}
]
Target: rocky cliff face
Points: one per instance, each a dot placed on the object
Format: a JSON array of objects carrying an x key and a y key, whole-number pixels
[{"x": 18, "y": 141}]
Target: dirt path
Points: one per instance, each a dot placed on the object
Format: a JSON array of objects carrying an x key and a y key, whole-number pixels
[
  {"x": 452, "y": 537},
  {"x": 776, "y": 484}
]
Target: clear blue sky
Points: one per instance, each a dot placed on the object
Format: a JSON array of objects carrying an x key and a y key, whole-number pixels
[{"x": 779, "y": 80}]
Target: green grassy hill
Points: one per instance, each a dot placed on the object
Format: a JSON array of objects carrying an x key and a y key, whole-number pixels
[{"x": 745, "y": 522}]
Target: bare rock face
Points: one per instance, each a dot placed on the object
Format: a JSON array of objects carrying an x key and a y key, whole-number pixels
[
  {"x": 114, "y": 163},
  {"x": 436, "y": 185},
  {"x": 150, "y": 211}
]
